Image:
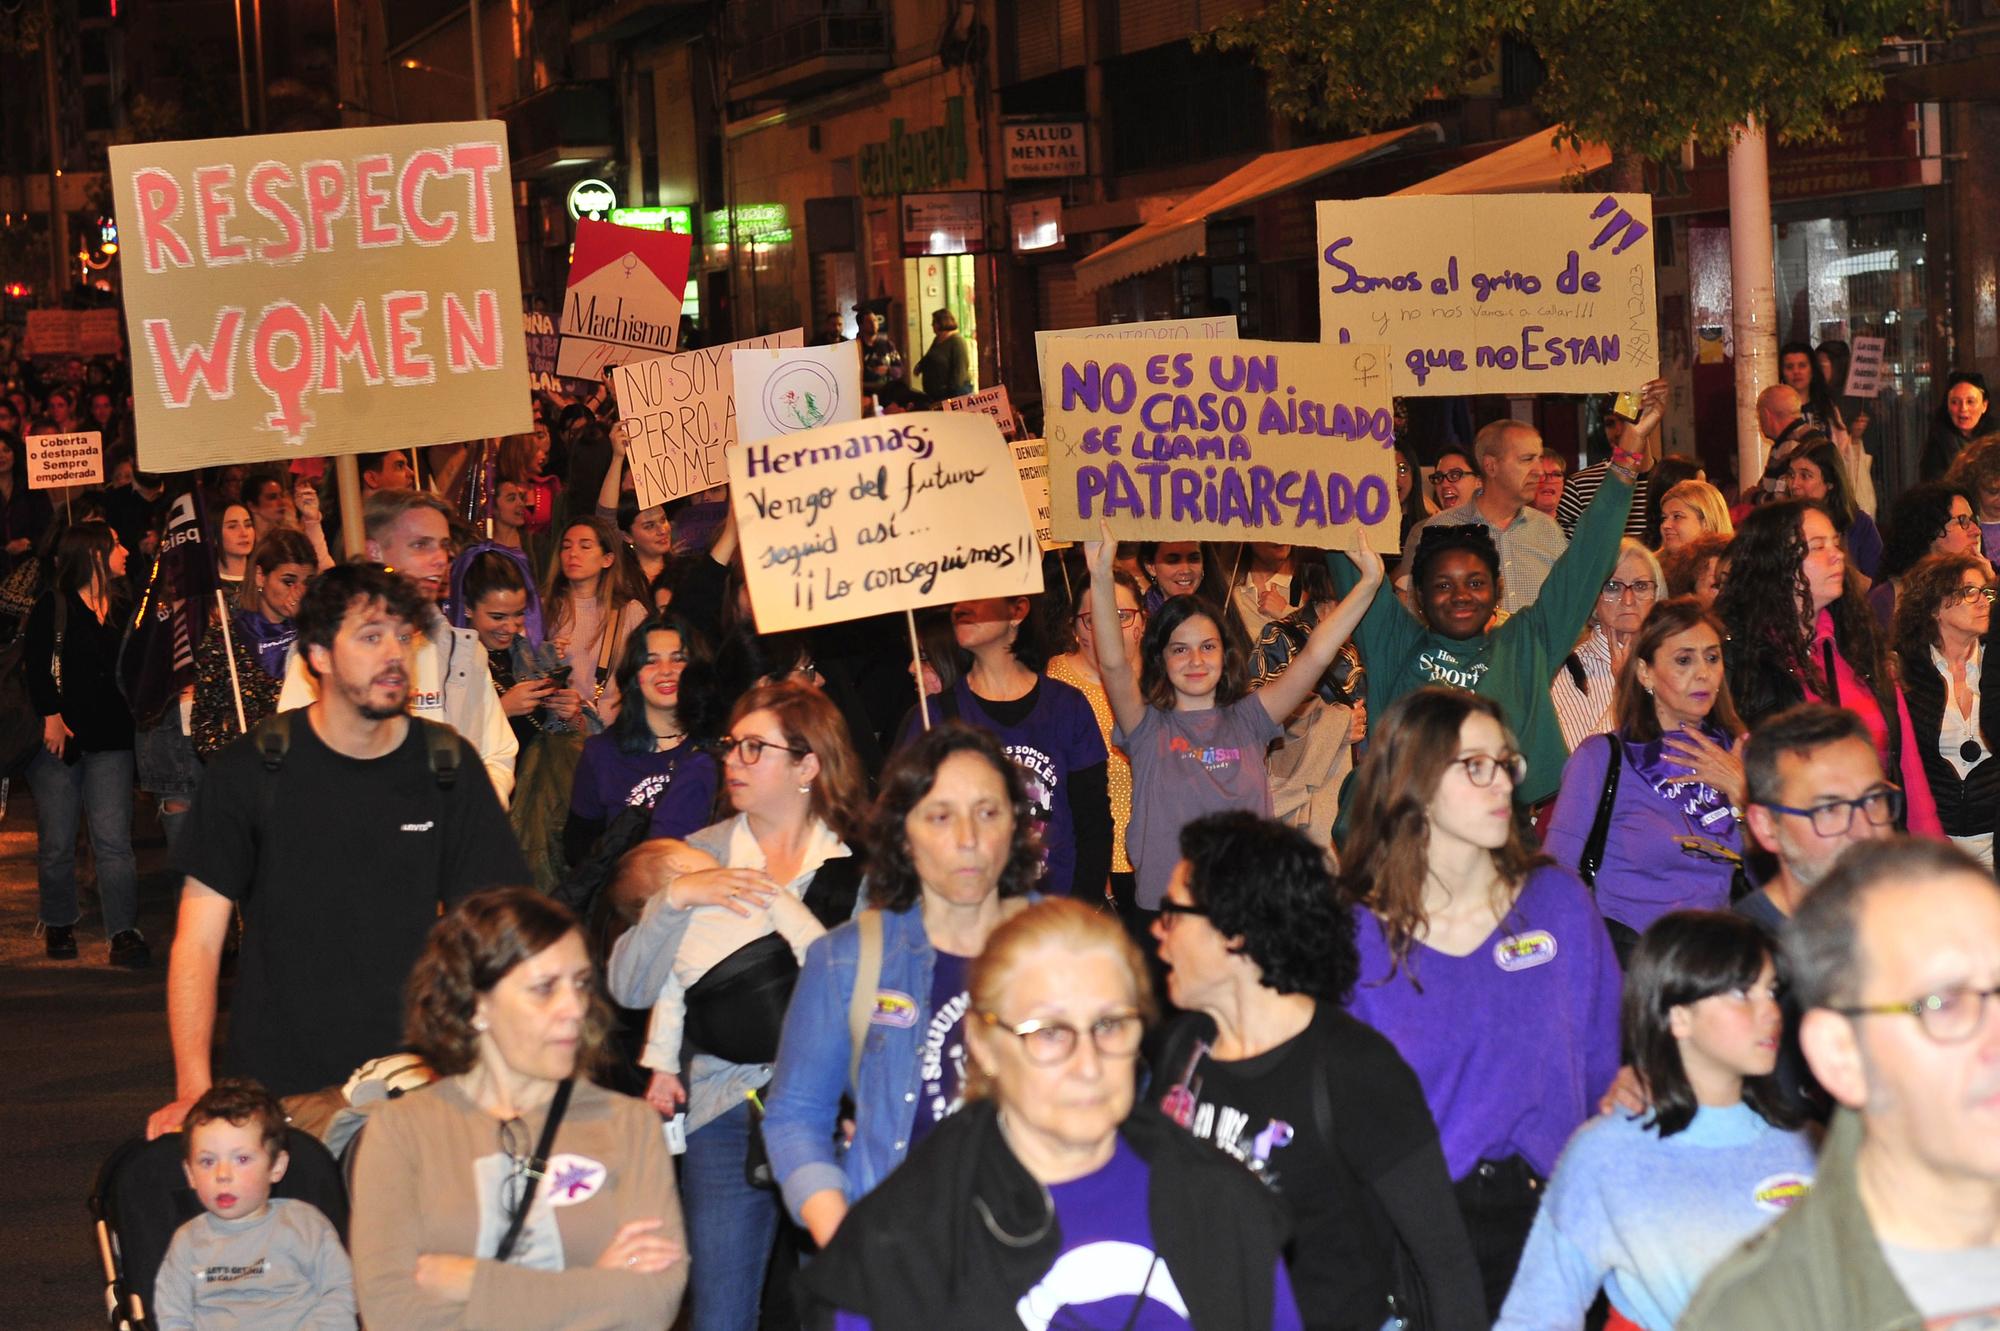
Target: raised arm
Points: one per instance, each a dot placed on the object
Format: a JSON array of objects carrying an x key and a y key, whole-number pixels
[
  {"x": 1121, "y": 676},
  {"x": 1283, "y": 693},
  {"x": 614, "y": 476}
]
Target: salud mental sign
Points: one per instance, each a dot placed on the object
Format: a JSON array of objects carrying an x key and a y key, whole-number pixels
[
  {"x": 339, "y": 291},
  {"x": 1500, "y": 293},
  {"x": 1223, "y": 439},
  {"x": 880, "y": 515}
]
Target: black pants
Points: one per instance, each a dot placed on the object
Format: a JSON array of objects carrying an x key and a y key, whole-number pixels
[{"x": 1498, "y": 1200}]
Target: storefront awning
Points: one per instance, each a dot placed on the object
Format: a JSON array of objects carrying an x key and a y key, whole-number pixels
[
  {"x": 1524, "y": 167},
  {"x": 1182, "y": 232}
]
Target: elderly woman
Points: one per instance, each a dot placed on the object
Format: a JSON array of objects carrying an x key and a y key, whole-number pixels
[
  {"x": 1929, "y": 519},
  {"x": 514, "y": 1192},
  {"x": 1589, "y": 675},
  {"x": 1051, "y": 1200},
  {"x": 951, "y": 843},
  {"x": 946, "y": 368},
  {"x": 1650, "y": 815},
  {"x": 716, "y": 955},
  {"x": 1267, "y": 1067},
  {"x": 1943, "y": 624}
]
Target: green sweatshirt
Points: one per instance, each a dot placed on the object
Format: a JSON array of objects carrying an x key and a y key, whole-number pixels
[{"x": 1515, "y": 664}]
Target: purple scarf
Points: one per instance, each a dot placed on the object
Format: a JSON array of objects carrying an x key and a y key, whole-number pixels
[
  {"x": 1705, "y": 806},
  {"x": 270, "y": 641}
]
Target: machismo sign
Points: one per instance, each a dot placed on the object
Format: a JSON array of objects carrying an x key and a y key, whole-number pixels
[{"x": 915, "y": 163}]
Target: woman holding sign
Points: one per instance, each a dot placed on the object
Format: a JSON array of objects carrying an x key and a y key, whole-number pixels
[{"x": 1187, "y": 720}]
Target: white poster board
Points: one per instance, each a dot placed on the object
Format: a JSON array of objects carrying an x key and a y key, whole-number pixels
[
  {"x": 678, "y": 414},
  {"x": 1864, "y": 367},
  {"x": 789, "y": 390},
  {"x": 65, "y": 459}
]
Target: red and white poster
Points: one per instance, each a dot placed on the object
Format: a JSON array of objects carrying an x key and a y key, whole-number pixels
[{"x": 624, "y": 297}]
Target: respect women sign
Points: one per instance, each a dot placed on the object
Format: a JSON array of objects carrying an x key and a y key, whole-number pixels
[{"x": 338, "y": 291}]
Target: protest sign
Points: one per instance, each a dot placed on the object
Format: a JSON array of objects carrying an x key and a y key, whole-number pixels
[
  {"x": 787, "y": 390},
  {"x": 337, "y": 291},
  {"x": 541, "y": 331},
  {"x": 991, "y": 402},
  {"x": 624, "y": 297},
  {"x": 678, "y": 415},
  {"x": 1864, "y": 367},
  {"x": 880, "y": 515},
  {"x": 1031, "y": 461},
  {"x": 1496, "y": 293},
  {"x": 53, "y": 333},
  {"x": 65, "y": 459},
  {"x": 1230, "y": 440},
  {"x": 1155, "y": 330},
  {"x": 98, "y": 334}
]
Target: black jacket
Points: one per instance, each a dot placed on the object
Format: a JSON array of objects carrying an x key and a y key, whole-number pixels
[
  {"x": 1972, "y": 805},
  {"x": 916, "y": 1254}
]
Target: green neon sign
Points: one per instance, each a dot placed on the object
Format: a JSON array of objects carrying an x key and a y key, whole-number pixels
[{"x": 675, "y": 217}]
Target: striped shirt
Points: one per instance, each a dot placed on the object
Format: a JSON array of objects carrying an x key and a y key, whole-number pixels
[
  {"x": 1583, "y": 712},
  {"x": 1581, "y": 488},
  {"x": 1529, "y": 547}
]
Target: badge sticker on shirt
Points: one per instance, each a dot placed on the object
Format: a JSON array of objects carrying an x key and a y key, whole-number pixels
[
  {"x": 573, "y": 1179},
  {"x": 893, "y": 1009},
  {"x": 1524, "y": 952},
  {"x": 1781, "y": 1192}
]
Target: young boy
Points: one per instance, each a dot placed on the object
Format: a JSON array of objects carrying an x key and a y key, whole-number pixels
[{"x": 249, "y": 1263}]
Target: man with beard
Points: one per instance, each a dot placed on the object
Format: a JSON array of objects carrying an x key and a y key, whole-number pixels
[{"x": 339, "y": 840}]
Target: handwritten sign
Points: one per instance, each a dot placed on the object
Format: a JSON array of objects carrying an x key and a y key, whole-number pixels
[
  {"x": 1154, "y": 330},
  {"x": 1031, "y": 461},
  {"x": 98, "y": 333},
  {"x": 337, "y": 291},
  {"x": 1498, "y": 293},
  {"x": 65, "y": 459},
  {"x": 791, "y": 389},
  {"x": 623, "y": 301},
  {"x": 542, "y": 341},
  {"x": 885, "y": 514},
  {"x": 1222, "y": 439},
  {"x": 1864, "y": 367},
  {"x": 53, "y": 333},
  {"x": 679, "y": 416},
  {"x": 991, "y": 402}
]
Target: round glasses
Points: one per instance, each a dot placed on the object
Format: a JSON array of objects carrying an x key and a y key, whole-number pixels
[
  {"x": 1950, "y": 1016},
  {"x": 750, "y": 748},
  {"x": 1047, "y": 1043},
  {"x": 1967, "y": 595},
  {"x": 1481, "y": 768}
]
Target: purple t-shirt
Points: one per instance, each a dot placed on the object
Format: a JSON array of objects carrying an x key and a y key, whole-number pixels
[
  {"x": 678, "y": 785},
  {"x": 942, "y": 1054},
  {"x": 1186, "y": 764},
  {"x": 1107, "y": 1262},
  {"x": 1514, "y": 1042}
]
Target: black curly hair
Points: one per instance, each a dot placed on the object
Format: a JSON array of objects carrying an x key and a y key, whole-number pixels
[
  {"x": 893, "y": 884},
  {"x": 1916, "y": 519},
  {"x": 1441, "y": 538},
  {"x": 1270, "y": 886}
]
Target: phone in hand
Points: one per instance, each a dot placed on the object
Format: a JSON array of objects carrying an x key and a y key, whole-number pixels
[{"x": 1628, "y": 405}]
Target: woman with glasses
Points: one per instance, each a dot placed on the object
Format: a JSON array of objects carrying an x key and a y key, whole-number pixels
[
  {"x": 1651, "y": 815},
  {"x": 652, "y": 755},
  {"x": 1266, "y": 1066},
  {"x": 951, "y": 847},
  {"x": 1800, "y": 632},
  {"x": 1584, "y": 685},
  {"x": 1943, "y": 624},
  {"x": 1078, "y": 669},
  {"x": 513, "y": 1193},
  {"x": 1488, "y": 969},
  {"x": 716, "y": 956},
  {"x": 1929, "y": 519},
  {"x": 1453, "y": 480},
  {"x": 1053, "y": 1199}
]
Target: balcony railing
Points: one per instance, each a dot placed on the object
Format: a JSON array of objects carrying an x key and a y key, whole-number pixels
[{"x": 767, "y": 37}]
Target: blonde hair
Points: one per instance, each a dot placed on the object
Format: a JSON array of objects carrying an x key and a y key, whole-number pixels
[{"x": 1707, "y": 503}]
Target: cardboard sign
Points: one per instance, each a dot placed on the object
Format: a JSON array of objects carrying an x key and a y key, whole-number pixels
[
  {"x": 1497, "y": 293},
  {"x": 679, "y": 416},
  {"x": 790, "y": 390},
  {"x": 885, "y": 514},
  {"x": 1864, "y": 367},
  {"x": 542, "y": 340},
  {"x": 53, "y": 333},
  {"x": 98, "y": 333},
  {"x": 624, "y": 297},
  {"x": 338, "y": 291},
  {"x": 1031, "y": 460},
  {"x": 991, "y": 402},
  {"x": 1157, "y": 330},
  {"x": 65, "y": 459},
  {"x": 1228, "y": 440}
]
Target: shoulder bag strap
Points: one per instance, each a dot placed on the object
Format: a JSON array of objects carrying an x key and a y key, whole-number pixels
[
  {"x": 1600, "y": 827},
  {"x": 537, "y": 1167},
  {"x": 861, "y": 1003}
]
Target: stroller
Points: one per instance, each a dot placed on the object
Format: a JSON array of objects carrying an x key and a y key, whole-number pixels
[{"x": 141, "y": 1197}]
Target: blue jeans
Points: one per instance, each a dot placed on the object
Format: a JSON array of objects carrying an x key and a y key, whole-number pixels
[
  {"x": 730, "y": 1225},
  {"x": 97, "y": 786}
]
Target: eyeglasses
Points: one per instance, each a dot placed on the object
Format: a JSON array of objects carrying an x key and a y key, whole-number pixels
[
  {"x": 1965, "y": 520},
  {"x": 1480, "y": 768},
  {"x": 1834, "y": 817},
  {"x": 1047, "y": 1043},
  {"x": 1643, "y": 590},
  {"x": 1967, "y": 595},
  {"x": 1951, "y": 1016},
  {"x": 750, "y": 748},
  {"x": 1452, "y": 477},
  {"x": 1171, "y": 909},
  {"x": 1705, "y": 848},
  {"x": 1126, "y": 618},
  {"x": 515, "y": 1146}
]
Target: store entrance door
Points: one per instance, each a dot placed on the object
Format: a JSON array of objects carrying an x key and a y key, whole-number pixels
[{"x": 940, "y": 282}]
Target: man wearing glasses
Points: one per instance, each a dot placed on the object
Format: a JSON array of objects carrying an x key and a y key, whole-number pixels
[{"x": 1895, "y": 959}]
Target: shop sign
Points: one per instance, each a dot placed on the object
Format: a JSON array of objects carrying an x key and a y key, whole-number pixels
[
  {"x": 591, "y": 199},
  {"x": 1044, "y": 150},
  {"x": 911, "y": 163},
  {"x": 953, "y": 223},
  {"x": 756, "y": 224},
  {"x": 1036, "y": 225},
  {"x": 675, "y": 217}
]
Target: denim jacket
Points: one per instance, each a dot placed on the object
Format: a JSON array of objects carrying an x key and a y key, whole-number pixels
[{"x": 803, "y": 1112}]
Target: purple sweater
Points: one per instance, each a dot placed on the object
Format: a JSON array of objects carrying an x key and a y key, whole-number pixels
[
  {"x": 1514, "y": 1042},
  {"x": 1644, "y": 874}
]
